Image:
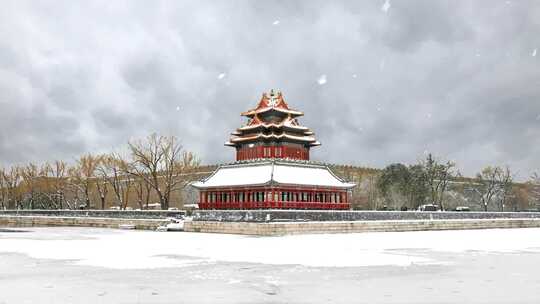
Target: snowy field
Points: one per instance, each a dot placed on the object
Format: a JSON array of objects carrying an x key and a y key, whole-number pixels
[{"x": 154, "y": 267}]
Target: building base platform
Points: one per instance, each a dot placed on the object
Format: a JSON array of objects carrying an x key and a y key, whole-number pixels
[{"x": 286, "y": 228}]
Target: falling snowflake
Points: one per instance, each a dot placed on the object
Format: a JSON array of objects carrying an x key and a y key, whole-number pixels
[
  {"x": 381, "y": 65},
  {"x": 379, "y": 109},
  {"x": 534, "y": 53},
  {"x": 354, "y": 75},
  {"x": 386, "y": 6},
  {"x": 538, "y": 117},
  {"x": 221, "y": 76},
  {"x": 428, "y": 115},
  {"x": 178, "y": 108},
  {"x": 322, "y": 79},
  {"x": 426, "y": 152},
  {"x": 275, "y": 22}
]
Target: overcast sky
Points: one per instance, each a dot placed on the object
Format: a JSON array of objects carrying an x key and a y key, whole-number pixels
[{"x": 378, "y": 82}]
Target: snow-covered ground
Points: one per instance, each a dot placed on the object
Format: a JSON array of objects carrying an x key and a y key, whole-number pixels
[
  {"x": 82, "y": 265},
  {"x": 144, "y": 249}
]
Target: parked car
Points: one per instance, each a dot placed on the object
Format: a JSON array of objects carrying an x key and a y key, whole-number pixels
[
  {"x": 428, "y": 207},
  {"x": 462, "y": 208}
]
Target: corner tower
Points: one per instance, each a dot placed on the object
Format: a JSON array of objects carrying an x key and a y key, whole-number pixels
[
  {"x": 272, "y": 131},
  {"x": 272, "y": 168}
]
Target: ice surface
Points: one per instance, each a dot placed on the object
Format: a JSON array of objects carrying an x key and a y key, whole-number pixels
[{"x": 145, "y": 249}]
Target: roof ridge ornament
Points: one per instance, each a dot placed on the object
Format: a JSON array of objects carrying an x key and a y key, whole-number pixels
[{"x": 273, "y": 98}]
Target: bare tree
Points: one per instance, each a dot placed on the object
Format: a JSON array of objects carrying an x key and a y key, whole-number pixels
[
  {"x": 85, "y": 174},
  {"x": 102, "y": 179},
  {"x": 56, "y": 182},
  {"x": 143, "y": 190},
  {"x": 12, "y": 180},
  {"x": 519, "y": 199},
  {"x": 3, "y": 189},
  {"x": 438, "y": 175},
  {"x": 30, "y": 173},
  {"x": 116, "y": 170},
  {"x": 161, "y": 162},
  {"x": 373, "y": 192},
  {"x": 505, "y": 180},
  {"x": 535, "y": 189},
  {"x": 487, "y": 185}
]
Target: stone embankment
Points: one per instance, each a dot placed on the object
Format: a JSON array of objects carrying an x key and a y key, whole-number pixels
[
  {"x": 334, "y": 216},
  {"x": 277, "y": 222},
  {"x": 281, "y": 222},
  {"x": 146, "y": 220},
  {"x": 284, "y": 228},
  {"x": 70, "y": 221}
]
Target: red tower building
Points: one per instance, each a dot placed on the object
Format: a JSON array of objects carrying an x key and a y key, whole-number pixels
[{"x": 272, "y": 168}]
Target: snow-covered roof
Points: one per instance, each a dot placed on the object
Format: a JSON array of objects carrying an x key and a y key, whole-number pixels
[
  {"x": 272, "y": 100},
  {"x": 286, "y": 123},
  {"x": 273, "y": 172},
  {"x": 307, "y": 138},
  {"x": 266, "y": 109}
]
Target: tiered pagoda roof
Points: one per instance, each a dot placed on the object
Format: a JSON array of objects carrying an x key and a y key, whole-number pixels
[
  {"x": 272, "y": 168},
  {"x": 272, "y": 121}
]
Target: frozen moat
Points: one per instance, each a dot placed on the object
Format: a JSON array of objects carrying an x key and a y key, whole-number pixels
[{"x": 84, "y": 265}]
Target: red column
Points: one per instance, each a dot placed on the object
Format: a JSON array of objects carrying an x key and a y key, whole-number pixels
[{"x": 272, "y": 196}]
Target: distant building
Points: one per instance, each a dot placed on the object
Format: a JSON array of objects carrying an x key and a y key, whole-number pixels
[{"x": 272, "y": 168}]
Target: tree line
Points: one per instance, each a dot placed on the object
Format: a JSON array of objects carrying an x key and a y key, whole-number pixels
[
  {"x": 155, "y": 166},
  {"x": 431, "y": 181}
]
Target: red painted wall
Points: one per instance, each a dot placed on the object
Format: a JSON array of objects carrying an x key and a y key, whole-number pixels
[
  {"x": 274, "y": 198},
  {"x": 272, "y": 152}
]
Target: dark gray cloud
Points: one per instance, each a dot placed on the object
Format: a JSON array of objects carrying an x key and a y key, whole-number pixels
[{"x": 456, "y": 78}]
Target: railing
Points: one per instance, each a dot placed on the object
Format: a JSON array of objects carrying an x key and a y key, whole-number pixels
[{"x": 275, "y": 205}]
